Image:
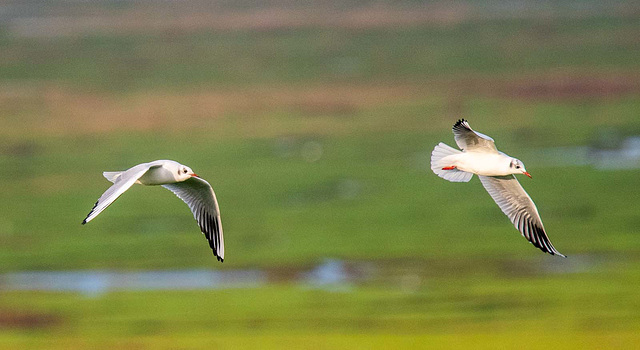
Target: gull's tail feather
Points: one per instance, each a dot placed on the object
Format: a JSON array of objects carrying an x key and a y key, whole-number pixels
[
  {"x": 440, "y": 159},
  {"x": 112, "y": 175}
]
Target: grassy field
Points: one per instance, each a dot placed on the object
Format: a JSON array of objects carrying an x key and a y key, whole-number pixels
[
  {"x": 594, "y": 309},
  {"x": 316, "y": 139},
  {"x": 191, "y": 61}
]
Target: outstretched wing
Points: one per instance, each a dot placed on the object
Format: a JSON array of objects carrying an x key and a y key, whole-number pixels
[
  {"x": 507, "y": 192},
  {"x": 123, "y": 183},
  {"x": 201, "y": 199},
  {"x": 469, "y": 140}
]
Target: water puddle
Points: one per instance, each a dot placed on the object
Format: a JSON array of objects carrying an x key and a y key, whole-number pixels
[
  {"x": 330, "y": 274},
  {"x": 93, "y": 282},
  {"x": 624, "y": 155}
]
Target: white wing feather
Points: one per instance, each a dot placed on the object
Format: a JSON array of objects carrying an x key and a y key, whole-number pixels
[
  {"x": 507, "y": 192},
  {"x": 468, "y": 139},
  {"x": 199, "y": 196},
  {"x": 121, "y": 184}
]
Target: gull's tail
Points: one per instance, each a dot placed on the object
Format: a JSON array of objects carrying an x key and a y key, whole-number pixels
[
  {"x": 440, "y": 160},
  {"x": 112, "y": 175}
]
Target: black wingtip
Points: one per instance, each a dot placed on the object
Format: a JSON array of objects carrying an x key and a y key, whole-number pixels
[
  {"x": 461, "y": 123},
  {"x": 543, "y": 242},
  {"x": 92, "y": 209}
]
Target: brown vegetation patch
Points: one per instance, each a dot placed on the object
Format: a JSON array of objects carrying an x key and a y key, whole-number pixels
[
  {"x": 58, "y": 111},
  {"x": 27, "y": 320},
  {"x": 65, "y": 111},
  {"x": 554, "y": 86}
]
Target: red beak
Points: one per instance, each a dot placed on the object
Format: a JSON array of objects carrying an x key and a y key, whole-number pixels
[
  {"x": 529, "y": 175},
  {"x": 199, "y": 176}
]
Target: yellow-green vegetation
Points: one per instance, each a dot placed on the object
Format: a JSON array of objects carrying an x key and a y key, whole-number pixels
[
  {"x": 595, "y": 309},
  {"x": 317, "y": 139}
]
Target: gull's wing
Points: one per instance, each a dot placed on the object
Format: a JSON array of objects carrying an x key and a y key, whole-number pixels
[
  {"x": 201, "y": 199},
  {"x": 507, "y": 192},
  {"x": 469, "y": 140},
  {"x": 126, "y": 180}
]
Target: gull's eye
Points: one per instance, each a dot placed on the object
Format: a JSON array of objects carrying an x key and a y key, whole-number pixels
[{"x": 184, "y": 170}]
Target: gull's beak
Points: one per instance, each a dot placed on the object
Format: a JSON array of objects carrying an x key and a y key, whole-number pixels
[
  {"x": 192, "y": 175},
  {"x": 527, "y": 173}
]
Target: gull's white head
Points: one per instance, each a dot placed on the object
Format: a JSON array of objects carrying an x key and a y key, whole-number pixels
[
  {"x": 182, "y": 172},
  {"x": 517, "y": 167}
]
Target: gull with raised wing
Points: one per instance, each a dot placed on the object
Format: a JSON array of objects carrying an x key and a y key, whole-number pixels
[
  {"x": 496, "y": 172},
  {"x": 180, "y": 180}
]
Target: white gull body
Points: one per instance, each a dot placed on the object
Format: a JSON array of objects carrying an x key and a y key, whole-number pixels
[
  {"x": 496, "y": 172},
  {"x": 179, "y": 179}
]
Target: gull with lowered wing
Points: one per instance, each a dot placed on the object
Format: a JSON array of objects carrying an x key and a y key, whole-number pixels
[
  {"x": 496, "y": 172},
  {"x": 179, "y": 179}
]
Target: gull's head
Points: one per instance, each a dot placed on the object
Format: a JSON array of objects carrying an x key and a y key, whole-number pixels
[
  {"x": 184, "y": 173},
  {"x": 517, "y": 167}
]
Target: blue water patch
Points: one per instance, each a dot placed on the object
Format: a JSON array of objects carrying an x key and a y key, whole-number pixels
[{"x": 93, "y": 282}]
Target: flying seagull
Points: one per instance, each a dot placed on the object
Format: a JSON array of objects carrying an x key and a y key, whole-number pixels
[
  {"x": 496, "y": 172},
  {"x": 180, "y": 180}
]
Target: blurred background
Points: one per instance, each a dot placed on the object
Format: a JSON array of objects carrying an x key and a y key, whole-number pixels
[{"x": 314, "y": 122}]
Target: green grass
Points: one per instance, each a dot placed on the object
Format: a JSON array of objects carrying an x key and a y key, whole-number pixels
[
  {"x": 281, "y": 209},
  {"x": 576, "y": 311},
  {"x": 370, "y": 194},
  {"x": 232, "y": 58}
]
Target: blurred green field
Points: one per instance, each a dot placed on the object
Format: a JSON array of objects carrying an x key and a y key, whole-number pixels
[
  {"x": 317, "y": 143},
  {"x": 281, "y": 208},
  {"x": 584, "y": 310},
  {"x": 193, "y": 60}
]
